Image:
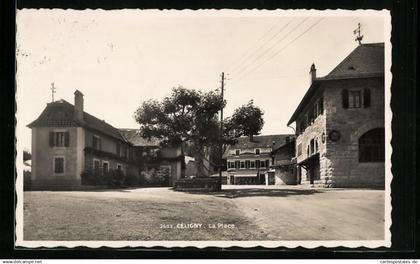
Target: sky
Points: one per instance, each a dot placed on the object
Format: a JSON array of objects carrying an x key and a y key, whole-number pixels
[{"x": 120, "y": 58}]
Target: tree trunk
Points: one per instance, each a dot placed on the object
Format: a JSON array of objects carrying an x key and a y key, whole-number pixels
[{"x": 199, "y": 156}]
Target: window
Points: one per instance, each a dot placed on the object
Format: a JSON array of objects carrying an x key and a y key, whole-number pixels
[
  {"x": 312, "y": 114},
  {"x": 237, "y": 152},
  {"x": 257, "y": 164},
  {"x": 242, "y": 165},
  {"x": 262, "y": 164},
  {"x": 237, "y": 164},
  {"x": 96, "y": 142},
  {"x": 247, "y": 164},
  {"x": 303, "y": 124},
  {"x": 58, "y": 165},
  {"x": 59, "y": 139},
  {"x": 257, "y": 151},
  {"x": 372, "y": 146},
  {"x": 105, "y": 167},
  {"x": 252, "y": 164},
  {"x": 96, "y": 165},
  {"x": 299, "y": 149},
  {"x": 267, "y": 163},
  {"x": 321, "y": 106},
  {"x": 231, "y": 164},
  {"x": 353, "y": 98}
]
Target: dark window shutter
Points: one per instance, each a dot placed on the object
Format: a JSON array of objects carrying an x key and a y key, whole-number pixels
[
  {"x": 345, "y": 98},
  {"x": 51, "y": 139},
  {"x": 66, "y": 139},
  {"x": 366, "y": 97}
]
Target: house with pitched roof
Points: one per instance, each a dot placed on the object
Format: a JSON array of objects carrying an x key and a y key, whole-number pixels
[
  {"x": 67, "y": 141},
  {"x": 340, "y": 135},
  {"x": 150, "y": 156},
  {"x": 249, "y": 160}
]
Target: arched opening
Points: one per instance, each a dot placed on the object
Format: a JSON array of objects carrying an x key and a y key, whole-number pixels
[{"x": 372, "y": 146}]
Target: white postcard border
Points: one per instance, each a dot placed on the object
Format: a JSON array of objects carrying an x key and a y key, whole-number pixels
[{"x": 20, "y": 242}]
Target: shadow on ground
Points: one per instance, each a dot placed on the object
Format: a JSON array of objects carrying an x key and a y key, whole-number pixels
[{"x": 253, "y": 192}]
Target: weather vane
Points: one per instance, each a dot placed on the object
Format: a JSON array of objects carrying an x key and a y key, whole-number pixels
[
  {"x": 357, "y": 31},
  {"x": 53, "y": 91}
]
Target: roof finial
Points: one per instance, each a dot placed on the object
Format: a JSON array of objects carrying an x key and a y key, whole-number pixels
[
  {"x": 357, "y": 32},
  {"x": 53, "y": 91}
]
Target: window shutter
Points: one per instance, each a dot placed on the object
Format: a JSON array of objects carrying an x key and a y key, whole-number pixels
[
  {"x": 66, "y": 139},
  {"x": 366, "y": 97},
  {"x": 51, "y": 139},
  {"x": 345, "y": 97}
]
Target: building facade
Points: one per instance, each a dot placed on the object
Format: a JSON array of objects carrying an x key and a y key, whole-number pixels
[
  {"x": 249, "y": 161},
  {"x": 340, "y": 139},
  {"x": 151, "y": 157},
  {"x": 283, "y": 168},
  {"x": 68, "y": 142}
]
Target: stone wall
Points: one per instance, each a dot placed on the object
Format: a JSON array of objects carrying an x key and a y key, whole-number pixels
[
  {"x": 339, "y": 164},
  {"x": 314, "y": 131},
  {"x": 285, "y": 176},
  {"x": 345, "y": 168}
]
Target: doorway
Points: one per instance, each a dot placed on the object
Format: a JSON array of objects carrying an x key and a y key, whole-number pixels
[{"x": 314, "y": 170}]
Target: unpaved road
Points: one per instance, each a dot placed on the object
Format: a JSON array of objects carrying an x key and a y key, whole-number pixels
[{"x": 238, "y": 213}]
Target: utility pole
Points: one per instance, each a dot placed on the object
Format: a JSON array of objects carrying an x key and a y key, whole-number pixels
[
  {"x": 358, "y": 31},
  {"x": 53, "y": 91},
  {"x": 221, "y": 131}
]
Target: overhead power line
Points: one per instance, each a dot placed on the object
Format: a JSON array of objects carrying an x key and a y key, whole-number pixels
[
  {"x": 272, "y": 46},
  {"x": 247, "y": 54},
  {"x": 283, "y": 48}
]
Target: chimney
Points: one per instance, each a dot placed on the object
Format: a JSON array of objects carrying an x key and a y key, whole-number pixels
[
  {"x": 78, "y": 105},
  {"x": 313, "y": 72}
]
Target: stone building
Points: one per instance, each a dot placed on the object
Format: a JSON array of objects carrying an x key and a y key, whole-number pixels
[
  {"x": 66, "y": 142},
  {"x": 249, "y": 161},
  {"x": 340, "y": 139},
  {"x": 283, "y": 169}
]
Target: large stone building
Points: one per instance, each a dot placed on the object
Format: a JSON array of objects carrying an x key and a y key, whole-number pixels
[
  {"x": 249, "y": 161},
  {"x": 66, "y": 142},
  {"x": 340, "y": 139}
]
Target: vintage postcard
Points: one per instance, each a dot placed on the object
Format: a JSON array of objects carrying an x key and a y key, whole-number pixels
[{"x": 219, "y": 128}]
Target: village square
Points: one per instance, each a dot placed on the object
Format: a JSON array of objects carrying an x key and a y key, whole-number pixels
[{"x": 191, "y": 170}]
